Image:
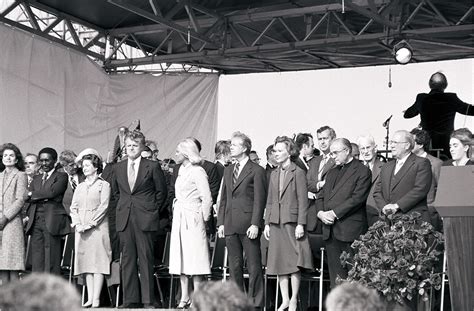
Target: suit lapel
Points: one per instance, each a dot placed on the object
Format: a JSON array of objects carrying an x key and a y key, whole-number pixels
[
  {"x": 142, "y": 172},
  {"x": 288, "y": 178},
  {"x": 329, "y": 165},
  {"x": 245, "y": 171},
  {"x": 7, "y": 182},
  {"x": 376, "y": 169},
  {"x": 344, "y": 178},
  {"x": 50, "y": 180},
  {"x": 402, "y": 171}
]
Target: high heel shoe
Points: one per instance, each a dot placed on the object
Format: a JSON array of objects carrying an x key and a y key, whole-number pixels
[
  {"x": 95, "y": 303},
  {"x": 284, "y": 306},
  {"x": 184, "y": 304},
  {"x": 87, "y": 304}
]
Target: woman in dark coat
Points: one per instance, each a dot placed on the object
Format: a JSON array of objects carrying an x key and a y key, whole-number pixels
[{"x": 285, "y": 220}]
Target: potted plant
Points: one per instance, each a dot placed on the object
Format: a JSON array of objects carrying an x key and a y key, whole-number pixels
[{"x": 398, "y": 257}]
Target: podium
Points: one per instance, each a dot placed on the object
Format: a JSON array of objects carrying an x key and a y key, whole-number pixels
[{"x": 455, "y": 203}]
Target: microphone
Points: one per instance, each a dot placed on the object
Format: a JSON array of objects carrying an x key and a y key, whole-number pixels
[{"x": 387, "y": 121}]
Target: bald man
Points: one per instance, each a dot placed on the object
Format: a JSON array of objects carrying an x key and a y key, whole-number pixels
[{"x": 437, "y": 111}]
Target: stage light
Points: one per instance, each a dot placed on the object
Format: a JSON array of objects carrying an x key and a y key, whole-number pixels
[{"x": 402, "y": 52}]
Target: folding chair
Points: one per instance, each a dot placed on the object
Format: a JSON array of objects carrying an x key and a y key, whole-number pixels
[
  {"x": 219, "y": 264},
  {"x": 67, "y": 260},
  {"x": 162, "y": 271},
  {"x": 317, "y": 275}
]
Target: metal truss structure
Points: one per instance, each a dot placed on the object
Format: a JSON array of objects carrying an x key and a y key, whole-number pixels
[{"x": 248, "y": 36}]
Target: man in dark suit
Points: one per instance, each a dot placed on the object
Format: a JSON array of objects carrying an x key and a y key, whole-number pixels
[
  {"x": 271, "y": 163},
  {"x": 368, "y": 156},
  {"x": 222, "y": 152},
  {"x": 67, "y": 160},
  {"x": 404, "y": 184},
  {"x": 304, "y": 143},
  {"x": 48, "y": 220},
  {"x": 437, "y": 111},
  {"x": 344, "y": 198},
  {"x": 240, "y": 217},
  {"x": 140, "y": 186},
  {"x": 422, "y": 143},
  {"x": 316, "y": 175}
]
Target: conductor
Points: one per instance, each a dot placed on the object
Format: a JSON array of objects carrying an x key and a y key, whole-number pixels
[{"x": 437, "y": 110}]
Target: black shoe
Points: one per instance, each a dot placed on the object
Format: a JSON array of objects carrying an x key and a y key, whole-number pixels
[
  {"x": 151, "y": 306},
  {"x": 132, "y": 305}
]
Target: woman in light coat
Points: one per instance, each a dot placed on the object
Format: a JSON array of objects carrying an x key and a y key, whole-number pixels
[
  {"x": 92, "y": 242},
  {"x": 189, "y": 250},
  {"x": 13, "y": 189}
]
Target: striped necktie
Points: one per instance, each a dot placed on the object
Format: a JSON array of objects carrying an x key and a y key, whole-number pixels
[
  {"x": 45, "y": 177},
  {"x": 235, "y": 174},
  {"x": 73, "y": 183}
]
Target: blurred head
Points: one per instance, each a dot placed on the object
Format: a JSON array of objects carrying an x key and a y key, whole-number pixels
[
  {"x": 355, "y": 151},
  {"x": 341, "y": 150},
  {"x": 240, "y": 144},
  {"x": 285, "y": 148},
  {"x": 367, "y": 148},
  {"x": 222, "y": 151},
  {"x": 91, "y": 164},
  {"x": 218, "y": 296},
  {"x": 459, "y": 143},
  {"x": 47, "y": 158},
  {"x": 187, "y": 149},
  {"x": 305, "y": 144},
  {"x": 325, "y": 136},
  {"x": 354, "y": 297},
  {"x": 134, "y": 144},
  {"x": 401, "y": 144},
  {"x": 422, "y": 141},
  {"x": 67, "y": 159},
  {"x": 438, "y": 82},
  {"x": 31, "y": 164},
  {"x": 271, "y": 156},
  {"x": 147, "y": 153},
  {"x": 153, "y": 149},
  {"x": 253, "y": 156},
  {"x": 12, "y": 157},
  {"x": 39, "y": 292}
]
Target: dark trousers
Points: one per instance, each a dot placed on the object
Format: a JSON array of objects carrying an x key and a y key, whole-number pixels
[
  {"x": 236, "y": 245},
  {"x": 137, "y": 255},
  {"x": 334, "y": 249},
  {"x": 45, "y": 248}
]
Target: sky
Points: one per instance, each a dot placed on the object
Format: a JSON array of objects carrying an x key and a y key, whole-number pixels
[{"x": 354, "y": 101}]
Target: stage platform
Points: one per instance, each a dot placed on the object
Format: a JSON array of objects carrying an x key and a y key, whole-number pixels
[{"x": 110, "y": 308}]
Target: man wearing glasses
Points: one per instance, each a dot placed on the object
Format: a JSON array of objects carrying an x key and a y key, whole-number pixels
[
  {"x": 344, "y": 205},
  {"x": 404, "y": 184}
]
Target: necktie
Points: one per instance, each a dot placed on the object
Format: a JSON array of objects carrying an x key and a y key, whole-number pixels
[
  {"x": 45, "y": 176},
  {"x": 321, "y": 166},
  {"x": 131, "y": 175},
  {"x": 235, "y": 174},
  {"x": 73, "y": 183}
]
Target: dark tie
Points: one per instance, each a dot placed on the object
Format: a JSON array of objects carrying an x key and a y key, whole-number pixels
[
  {"x": 235, "y": 174},
  {"x": 45, "y": 177},
  {"x": 73, "y": 183},
  {"x": 131, "y": 176}
]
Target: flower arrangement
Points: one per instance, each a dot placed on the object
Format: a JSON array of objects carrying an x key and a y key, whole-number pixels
[{"x": 397, "y": 257}]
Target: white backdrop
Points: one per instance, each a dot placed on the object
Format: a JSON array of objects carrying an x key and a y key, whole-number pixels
[
  {"x": 354, "y": 101},
  {"x": 51, "y": 96}
]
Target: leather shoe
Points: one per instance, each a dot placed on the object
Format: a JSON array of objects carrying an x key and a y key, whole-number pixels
[
  {"x": 150, "y": 306},
  {"x": 132, "y": 305}
]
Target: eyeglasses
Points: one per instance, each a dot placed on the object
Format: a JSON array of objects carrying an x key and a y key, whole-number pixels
[
  {"x": 397, "y": 142},
  {"x": 336, "y": 152}
]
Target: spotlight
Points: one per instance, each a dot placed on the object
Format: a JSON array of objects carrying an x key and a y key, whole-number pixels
[{"x": 402, "y": 51}]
